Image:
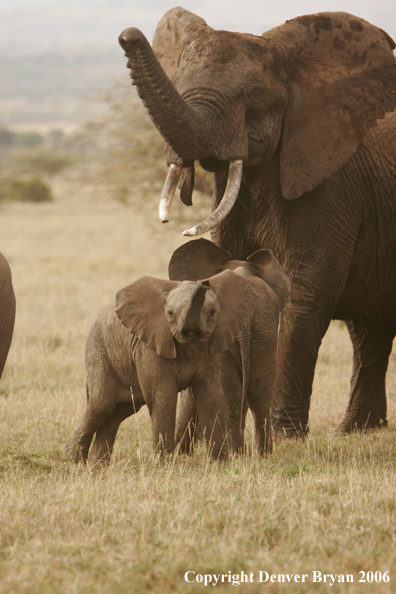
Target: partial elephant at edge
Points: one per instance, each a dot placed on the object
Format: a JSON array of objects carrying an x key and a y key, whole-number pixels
[{"x": 7, "y": 310}]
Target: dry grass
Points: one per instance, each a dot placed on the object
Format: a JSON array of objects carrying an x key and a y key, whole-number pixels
[{"x": 324, "y": 505}]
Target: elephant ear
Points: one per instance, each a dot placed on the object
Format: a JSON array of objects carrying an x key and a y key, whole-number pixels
[
  {"x": 238, "y": 298},
  {"x": 177, "y": 29},
  {"x": 197, "y": 259},
  {"x": 343, "y": 78},
  {"x": 140, "y": 308},
  {"x": 271, "y": 272}
]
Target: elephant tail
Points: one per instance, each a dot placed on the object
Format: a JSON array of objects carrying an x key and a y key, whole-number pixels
[{"x": 244, "y": 344}]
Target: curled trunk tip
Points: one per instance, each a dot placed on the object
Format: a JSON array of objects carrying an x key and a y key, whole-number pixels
[{"x": 130, "y": 38}]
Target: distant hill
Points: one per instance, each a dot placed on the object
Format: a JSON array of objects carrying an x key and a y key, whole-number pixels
[
  {"x": 57, "y": 56},
  {"x": 56, "y": 86}
]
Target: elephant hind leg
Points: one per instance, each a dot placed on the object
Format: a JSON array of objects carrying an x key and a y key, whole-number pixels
[
  {"x": 103, "y": 396},
  {"x": 372, "y": 345},
  {"x": 78, "y": 445},
  {"x": 102, "y": 447}
]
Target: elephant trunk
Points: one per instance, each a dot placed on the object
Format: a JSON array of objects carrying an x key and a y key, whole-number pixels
[
  {"x": 188, "y": 126},
  {"x": 191, "y": 325},
  {"x": 181, "y": 125}
]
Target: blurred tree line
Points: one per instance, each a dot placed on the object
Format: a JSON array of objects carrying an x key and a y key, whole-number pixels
[{"x": 29, "y": 160}]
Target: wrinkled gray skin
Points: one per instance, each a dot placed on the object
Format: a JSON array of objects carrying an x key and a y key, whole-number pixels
[
  {"x": 158, "y": 338},
  {"x": 309, "y": 109},
  {"x": 7, "y": 311},
  {"x": 248, "y": 367}
]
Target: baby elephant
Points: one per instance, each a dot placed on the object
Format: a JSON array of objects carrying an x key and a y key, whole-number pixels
[
  {"x": 248, "y": 367},
  {"x": 158, "y": 338}
]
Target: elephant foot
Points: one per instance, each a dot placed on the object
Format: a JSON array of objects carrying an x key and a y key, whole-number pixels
[
  {"x": 222, "y": 456},
  {"x": 372, "y": 345},
  {"x": 188, "y": 439},
  {"x": 218, "y": 452},
  {"x": 268, "y": 446},
  {"x": 361, "y": 423},
  {"x": 285, "y": 428},
  {"x": 75, "y": 452},
  {"x": 264, "y": 437}
]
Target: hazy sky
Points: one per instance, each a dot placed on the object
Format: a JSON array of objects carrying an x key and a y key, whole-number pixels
[{"x": 36, "y": 25}]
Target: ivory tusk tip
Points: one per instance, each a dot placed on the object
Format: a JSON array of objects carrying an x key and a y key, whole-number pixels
[
  {"x": 164, "y": 216},
  {"x": 190, "y": 232}
]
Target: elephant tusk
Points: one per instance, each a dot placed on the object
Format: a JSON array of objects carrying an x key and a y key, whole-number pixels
[
  {"x": 168, "y": 191},
  {"x": 227, "y": 202}
]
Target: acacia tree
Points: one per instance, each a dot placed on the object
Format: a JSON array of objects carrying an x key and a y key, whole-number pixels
[{"x": 127, "y": 151}]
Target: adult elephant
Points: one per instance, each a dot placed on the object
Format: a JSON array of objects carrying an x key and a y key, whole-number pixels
[
  {"x": 303, "y": 118},
  {"x": 7, "y": 310}
]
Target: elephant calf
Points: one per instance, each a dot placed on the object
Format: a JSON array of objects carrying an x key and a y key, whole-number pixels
[
  {"x": 158, "y": 338},
  {"x": 248, "y": 367},
  {"x": 161, "y": 337}
]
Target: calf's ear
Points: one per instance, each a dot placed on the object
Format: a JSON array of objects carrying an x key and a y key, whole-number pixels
[
  {"x": 140, "y": 308},
  {"x": 271, "y": 272},
  {"x": 197, "y": 259},
  {"x": 238, "y": 301}
]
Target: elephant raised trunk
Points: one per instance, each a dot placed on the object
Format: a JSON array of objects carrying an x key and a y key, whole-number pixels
[
  {"x": 181, "y": 125},
  {"x": 188, "y": 129}
]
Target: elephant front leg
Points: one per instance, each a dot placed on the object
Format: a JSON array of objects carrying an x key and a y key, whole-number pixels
[
  {"x": 372, "y": 345},
  {"x": 102, "y": 447},
  {"x": 188, "y": 428},
  {"x": 236, "y": 409},
  {"x": 299, "y": 341},
  {"x": 259, "y": 399},
  {"x": 212, "y": 416},
  {"x": 162, "y": 408}
]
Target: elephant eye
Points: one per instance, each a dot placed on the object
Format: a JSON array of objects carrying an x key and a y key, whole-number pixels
[
  {"x": 212, "y": 313},
  {"x": 257, "y": 96},
  {"x": 171, "y": 313}
]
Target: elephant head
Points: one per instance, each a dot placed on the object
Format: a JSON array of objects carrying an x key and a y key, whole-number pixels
[
  {"x": 201, "y": 258},
  {"x": 160, "y": 312},
  {"x": 304, "y": 94}
]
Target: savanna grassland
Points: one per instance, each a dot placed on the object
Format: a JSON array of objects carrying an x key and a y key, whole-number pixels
[{"x": 328, "y": 504}]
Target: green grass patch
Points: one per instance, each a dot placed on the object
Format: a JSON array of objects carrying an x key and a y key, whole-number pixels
[{"x": 33, "y": 189}]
